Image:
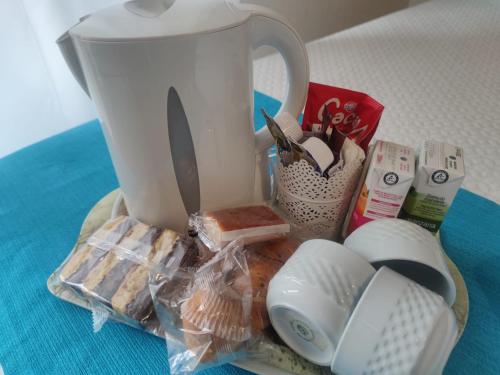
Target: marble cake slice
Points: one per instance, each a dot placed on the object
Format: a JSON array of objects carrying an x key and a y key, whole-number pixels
[
  {"x": 133, "y": 297},
  {"x": 106, "y": 276},
  {"x": 86, "y": 256}
]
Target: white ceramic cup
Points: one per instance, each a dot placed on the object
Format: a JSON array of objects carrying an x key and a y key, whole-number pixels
[
  {"x": 309, "y": 300},
  {"x": 407, "y": 249},
  {"x": 398, "y": 327}
]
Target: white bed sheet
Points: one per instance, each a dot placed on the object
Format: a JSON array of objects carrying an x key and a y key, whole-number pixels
[{"x": 435, "y": 67}]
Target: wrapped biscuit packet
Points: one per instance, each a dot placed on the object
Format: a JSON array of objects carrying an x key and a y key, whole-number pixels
[
  {"x": 110, "y": 272},
  {"x": 216, "y": 228},
  {"x": 216, "y": 313},
  {"x": 210, "y": 306},
  {"x": 206, "y": 310}
]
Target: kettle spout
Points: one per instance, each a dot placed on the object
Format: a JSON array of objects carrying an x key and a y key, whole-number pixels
[{"x": 68, "y": 50}]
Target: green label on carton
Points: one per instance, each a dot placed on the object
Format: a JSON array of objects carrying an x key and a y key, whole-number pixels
[{"x": 426, "y": 210}]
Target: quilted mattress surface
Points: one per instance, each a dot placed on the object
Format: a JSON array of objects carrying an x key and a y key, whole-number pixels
[{"x": 435, "y": 67}]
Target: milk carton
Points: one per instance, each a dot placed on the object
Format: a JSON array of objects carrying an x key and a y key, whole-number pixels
[
  {"x": 440, "y": 174},
  {"x": 388, "y": 175}
]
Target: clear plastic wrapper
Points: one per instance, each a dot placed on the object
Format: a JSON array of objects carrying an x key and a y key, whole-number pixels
[
  {"x": 111, "y": 270},
  {"x": 215, "y": 313},
  {"x": 250, "y": 224},
  {"x": 264, "y": 260},
  {"x": 210, "y": 306},
  {"x": 206, "y": 310}
]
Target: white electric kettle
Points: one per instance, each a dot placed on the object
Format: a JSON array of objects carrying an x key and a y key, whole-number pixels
[{"x": 172, "y": 83}]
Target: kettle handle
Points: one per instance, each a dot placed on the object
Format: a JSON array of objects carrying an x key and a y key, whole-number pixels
[{"x": 269, "y": 29}]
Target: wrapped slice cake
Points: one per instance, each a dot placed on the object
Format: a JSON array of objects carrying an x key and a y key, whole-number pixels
[
  {"x": 264, "y": 260},
  {"x": 106, "y": 276},
  {"x": 87, "y": 255},
  {"x": 132, "y": 297},
  {"x": 112, "y": 268},
  {"x": 222, "y": 312},
  {"x": 250, "y": 223}
]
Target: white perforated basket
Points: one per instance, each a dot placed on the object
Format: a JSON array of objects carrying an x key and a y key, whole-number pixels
[{"x": 314, "y": 202}]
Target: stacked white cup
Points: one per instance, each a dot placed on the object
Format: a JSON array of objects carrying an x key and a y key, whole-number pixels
[{"x": 331, "y": 307}]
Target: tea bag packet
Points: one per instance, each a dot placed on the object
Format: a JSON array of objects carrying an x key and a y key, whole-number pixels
[
  {"x": 320, "y": 153},
  {"x": 336, "y": 167},
  {"x": 290, "y": 129},
  {"x": 250, "y": 224},
  {"x": 289, "y": 149}
]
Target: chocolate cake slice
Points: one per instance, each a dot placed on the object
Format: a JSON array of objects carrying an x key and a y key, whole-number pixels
[
  {"x": 97, "y": 268},
  {"x": 132, "y": 297},
  {"x": 169, "y": 252},
  {"x": 105, "y": 277},
  {"x": 86, "y": 256},
  {"x": 113, "y": 268}
]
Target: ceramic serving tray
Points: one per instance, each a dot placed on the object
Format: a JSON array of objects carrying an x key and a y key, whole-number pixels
[{"x": 279, "y": 360}]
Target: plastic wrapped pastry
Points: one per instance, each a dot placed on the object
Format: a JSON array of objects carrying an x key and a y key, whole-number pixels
[
  {"x": 111, "y": 270},
  {"x": 264, "y": 260},
  {"x": 216, "y": 313},
  {"x": 250, "y": 224},
  {"x": 207, "y": 320}
]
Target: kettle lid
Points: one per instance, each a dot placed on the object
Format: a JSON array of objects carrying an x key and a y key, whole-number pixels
[{"x": 145, "y": 19}]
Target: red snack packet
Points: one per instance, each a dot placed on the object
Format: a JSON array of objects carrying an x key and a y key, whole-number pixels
[{"x": 354, "y": 114}]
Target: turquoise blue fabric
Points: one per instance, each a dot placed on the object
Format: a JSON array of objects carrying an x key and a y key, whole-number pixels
[{"x": 47, "y": 189}]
